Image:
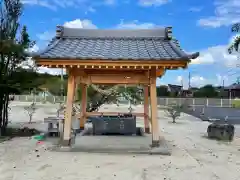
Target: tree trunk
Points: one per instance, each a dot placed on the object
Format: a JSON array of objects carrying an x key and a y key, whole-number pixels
[
  {"x": 3, "y": 112},
  {"x": 174, "y": 120},
  {"x": 96, "y": 104}
]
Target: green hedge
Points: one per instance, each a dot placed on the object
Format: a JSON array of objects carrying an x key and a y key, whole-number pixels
[{"x": 236, "y": 103}]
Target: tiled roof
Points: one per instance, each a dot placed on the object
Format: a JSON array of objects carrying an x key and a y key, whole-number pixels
[
  {"x": 175, "y": 88},
  {"x": 233, "y": 86},
  {"x": 145, "y": 44}
]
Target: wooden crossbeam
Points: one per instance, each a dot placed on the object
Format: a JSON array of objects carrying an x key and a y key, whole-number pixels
[
  {"x": 87, "y": 114},
  {"x": 107, "y": 79}
]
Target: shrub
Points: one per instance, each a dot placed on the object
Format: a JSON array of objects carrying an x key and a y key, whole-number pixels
[{"x": 174, "y": 111}]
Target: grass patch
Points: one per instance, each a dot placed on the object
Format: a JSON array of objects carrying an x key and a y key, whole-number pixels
[{"x": 236, "y": 103}]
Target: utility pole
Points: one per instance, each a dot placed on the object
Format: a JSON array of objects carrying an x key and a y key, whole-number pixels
[
  {"x": 223, "y": 83},
  {"x": 189, "y": 80},
  {"x": 182, "y": 87}
]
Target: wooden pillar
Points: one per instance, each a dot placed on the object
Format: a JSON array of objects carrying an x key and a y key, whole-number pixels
[
  {"x": 76, "y": 90},
  {"x": 68, "y": 113},
  {"x": 146, "y": 109},
  {"x": 153, "y": 101},
  {"x": 83, "y": 105}
]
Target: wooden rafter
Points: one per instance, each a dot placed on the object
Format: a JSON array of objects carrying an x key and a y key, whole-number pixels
[{"x": 121, "y": 65}]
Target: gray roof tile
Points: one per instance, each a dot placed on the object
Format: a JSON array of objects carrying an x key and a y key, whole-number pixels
[{"x": 145, "y": 44}]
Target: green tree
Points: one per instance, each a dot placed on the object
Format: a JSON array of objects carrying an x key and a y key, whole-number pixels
[
  {"x": 236, "y": 42},
  {"x": 108, "y": 94},
  {"x": 206, "y": 91},
  {"x": 14, "y": 41},
  {"x": 162, "y": 91}
]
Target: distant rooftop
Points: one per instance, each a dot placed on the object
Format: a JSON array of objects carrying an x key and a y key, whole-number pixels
[
  {"x": 87, "y": 44},
  {"x": 233, "y": 86},
  {"x": 175, "y": 88}
]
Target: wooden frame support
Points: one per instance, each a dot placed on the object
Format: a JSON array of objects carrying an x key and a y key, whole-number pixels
[
  {"x": 66, "y": 141},
  {"x": 146, "y": 109},
  {"x": 83, "y": 105},
  {"x": 153, "y": 100},
  {"x": 111, "y": 113}
]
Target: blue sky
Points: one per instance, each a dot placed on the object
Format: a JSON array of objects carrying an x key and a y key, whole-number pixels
[{"x": 202, "y": 26}]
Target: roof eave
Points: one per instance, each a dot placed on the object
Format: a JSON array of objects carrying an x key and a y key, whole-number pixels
[
  {"x": 194, "y": 55},
  {"x": 186, "y": 59}
]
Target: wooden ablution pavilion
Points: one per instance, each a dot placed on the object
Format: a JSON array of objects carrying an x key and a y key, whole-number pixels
[{"x": 110, "y": 57}]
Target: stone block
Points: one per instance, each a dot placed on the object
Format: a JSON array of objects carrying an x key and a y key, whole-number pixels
[{"x": 221, "y": 131}]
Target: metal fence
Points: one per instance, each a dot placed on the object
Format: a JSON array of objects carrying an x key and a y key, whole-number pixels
[
  {"x": 32, "y": 98},
  {"x": 209, "y": 102},
  {"x": 164, "y": 101}
]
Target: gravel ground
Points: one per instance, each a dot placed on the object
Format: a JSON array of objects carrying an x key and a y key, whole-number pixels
[{"x": 193, "y": 156}]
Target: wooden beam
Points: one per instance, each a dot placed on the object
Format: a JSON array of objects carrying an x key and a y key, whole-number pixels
[
  {"x": 112, "y": 114},
  {"x": 111, "y": 71},
  {"x": 146, "y": 109},
  {"x": 114, "y": 79},
  {"x": 153, "y": 100},
  {"x": 83, "y": 105},
  {"x": 109, "y": 64},
  {"x": 68, "y": 113},
  {"x": 76, "y": 88}
]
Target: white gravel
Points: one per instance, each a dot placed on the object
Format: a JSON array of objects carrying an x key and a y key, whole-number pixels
[{"x": 193, "y": 158}]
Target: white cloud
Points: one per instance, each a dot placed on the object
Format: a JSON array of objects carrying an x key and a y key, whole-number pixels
[
  {"x": 35, "y": 48},
  {"x": 195, "y": 81},
  {"x": 42, "y": 3},
  {"x": 46, "y": 36},
  {"x": 179, "y": 79},
  {"x": 30, "y": 63},
  {"x": 135, "y": 25},
  {"x": 217, "y": 55},
  {"x": 53, "y": 71},
  {"x": 227, "y": 12},
  {"x": 221, "y": 79},
  {"x": 83, "y": 4},
  {"x": 198, "y": 81},
  {"x": 78, "y": 23},
  {"x": 159, "y": 82},
  {"x": 148, "y": 3}
]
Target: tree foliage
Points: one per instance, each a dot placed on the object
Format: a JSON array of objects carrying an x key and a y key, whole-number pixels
[
  {"x": 236, "y": 42},
  {"x": 14, "y": 43},
  {"x": 162, "y": 91},
  {"x": 96, "y": 99},
  {"x": 206, "y": 91}
]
